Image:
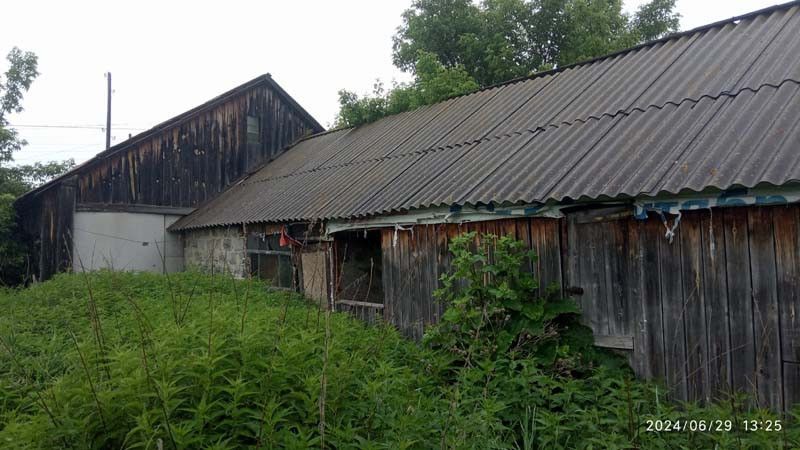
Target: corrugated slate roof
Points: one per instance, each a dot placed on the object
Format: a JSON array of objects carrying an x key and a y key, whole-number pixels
[{"x": 715, "y": 107}]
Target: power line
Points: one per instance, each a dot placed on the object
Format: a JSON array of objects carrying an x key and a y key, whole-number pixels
[{"x": 86, "y": 127}]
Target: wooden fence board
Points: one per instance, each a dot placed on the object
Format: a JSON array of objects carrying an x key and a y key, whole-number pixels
[
  {"x": 715, "y": 288},
  {"x": 765, "y": 307},
  {"x": 694, "y": 307},
  {"x": 740, "y": 302},
  {"x": 655, "y": 346},
  {"x": 787, "y": 256},
  {"x": 671, "y": 273},
  {"x": 633, "y": 288},
  {"x": 617, "y": 262}
]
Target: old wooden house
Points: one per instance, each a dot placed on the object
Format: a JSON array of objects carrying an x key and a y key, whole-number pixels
[
  {"x": 113, "y": 210},
  {"x": 658, "y": 185}
]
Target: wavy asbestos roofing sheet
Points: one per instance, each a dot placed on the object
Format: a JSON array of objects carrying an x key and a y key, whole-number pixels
[{"x": 716, "y": 107}]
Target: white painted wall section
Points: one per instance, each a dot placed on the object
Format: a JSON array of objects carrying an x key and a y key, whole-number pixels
[{"x": 126, "y": 241}]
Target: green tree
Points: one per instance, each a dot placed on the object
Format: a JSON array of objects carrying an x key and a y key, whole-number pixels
[
  {"x": 16, "y": 81},
  {"x": 502, "y": 39},
  {"x": 433, "y": 83},
  {"x": 455, "y": 46},
  {"x": 15, "y": 180}
]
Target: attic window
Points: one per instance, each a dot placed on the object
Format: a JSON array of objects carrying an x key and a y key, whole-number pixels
[{"x": 253, "y": 130}]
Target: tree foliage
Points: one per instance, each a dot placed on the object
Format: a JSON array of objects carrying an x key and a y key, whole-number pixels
[
  {"x": 16, "y": 81},
  {"x": 502, "y": 39},
  {"x": 455, "y": 46},
  {"x": 433, "y": 83}
]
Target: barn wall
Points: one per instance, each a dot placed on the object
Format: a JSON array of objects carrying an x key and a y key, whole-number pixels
[
  {"x": 48, "y": 222},
  {"x": 414, "y": 262},
  {"x": 195, "y": 159},
  {"x": 711, "y": 312},
  {"x": 183, "y": 164}
]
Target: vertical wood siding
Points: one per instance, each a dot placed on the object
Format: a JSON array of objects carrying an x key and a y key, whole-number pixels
[
  {"x": 412, "y": 266},
  {"x": 714, "y": 311},
  {"x": 182, "y": 165},
  {"x": 197, "y": 158}
]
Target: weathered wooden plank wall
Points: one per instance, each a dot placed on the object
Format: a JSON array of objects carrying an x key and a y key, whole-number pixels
[
  {"x": 189, "y": 160},
  {"x": 195, "y": 159},
  {"x": 713, "y": 311},
  {"x": 414, "y": 262},
  {"x": 49, "y": 222}
]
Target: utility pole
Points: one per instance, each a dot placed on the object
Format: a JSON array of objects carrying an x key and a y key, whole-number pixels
[{"x": 108, "y": 113}]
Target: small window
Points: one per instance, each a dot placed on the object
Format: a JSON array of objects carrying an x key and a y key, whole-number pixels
[
  {"x": 359, "y": 267},
  {"x": 269, "y": 261},
  {"x": 253, "y": 130}
]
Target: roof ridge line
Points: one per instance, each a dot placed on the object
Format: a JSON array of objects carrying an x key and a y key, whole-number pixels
[
  {"x": 206, "y": 106},
  {"x": 618, "y": 113},
  {"x": 669, "y": 37}
]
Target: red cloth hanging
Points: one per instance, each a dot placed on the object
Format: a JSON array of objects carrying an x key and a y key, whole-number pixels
[{"x": 287, "y": 240}]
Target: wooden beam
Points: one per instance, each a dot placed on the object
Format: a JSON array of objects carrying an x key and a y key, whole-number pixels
[
  {"x": 364, "y": 304},
  {"x": 616, "y": 342},
  {"x": 132, "y": 208}
]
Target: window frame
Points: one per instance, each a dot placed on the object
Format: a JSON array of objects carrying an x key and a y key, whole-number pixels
[{"x": 278, "y": 254}]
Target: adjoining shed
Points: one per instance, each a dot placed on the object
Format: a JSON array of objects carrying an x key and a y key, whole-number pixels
[
  {"x": 113, "y": 211},
  {"x": 658, "y": 185}
]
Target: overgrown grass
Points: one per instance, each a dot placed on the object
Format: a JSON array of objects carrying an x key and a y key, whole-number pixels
[{"x": 120, "y": 360}]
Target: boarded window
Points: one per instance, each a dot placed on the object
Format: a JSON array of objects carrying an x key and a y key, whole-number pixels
[
  {"x": 253, "y": 130},
  {"x": 314, "y": 275},
  {"x": 270, "y": 261}
]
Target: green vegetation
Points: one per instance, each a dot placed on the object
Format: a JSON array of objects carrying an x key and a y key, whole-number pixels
[
  {"x": 480, "y": 44},
  {"x": 120, "y": 360}
]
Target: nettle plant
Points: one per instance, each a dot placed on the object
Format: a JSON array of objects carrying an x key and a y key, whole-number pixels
[{"x": 495, "y": 308}]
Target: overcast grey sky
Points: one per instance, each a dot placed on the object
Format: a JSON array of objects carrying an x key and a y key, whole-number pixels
[{"x": 169, "y": 56}]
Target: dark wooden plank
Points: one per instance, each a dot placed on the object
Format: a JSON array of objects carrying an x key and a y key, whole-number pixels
[
  {"x": 523, "y": 233},
  {"x": 571, "y": 275},
  {"x": 791, "y": 384},
  {"x": 550, "y": 245},
  {"x": 421, "y": 268},
  {"x": 592, "y": 276},
  {"x": 408, "y": 312},
  {"x": 537, "y": 233},
  {"x": 429, "y": 274},
  {"x": 740, "y": 301},
  {"x": 650, "y": 326},
  {"x": 442, "y": 260},
  {"x": 694, "y": 306},
  {"x": 388, "y": 275},
  {"x": 765, "y": 308},
  {"x": 617, "y": 261},
  {"x": 672, "y": 301},
  {"x": 787, "y": 256},
  {"x": 506, "y": 227},
  {"x": 431, "y": 278},
  {"x": 634, "y": 289},
  {"x": 715, "y": 295}
]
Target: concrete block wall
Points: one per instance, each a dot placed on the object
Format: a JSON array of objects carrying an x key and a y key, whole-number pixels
[{"x": 220, "y": 248}]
